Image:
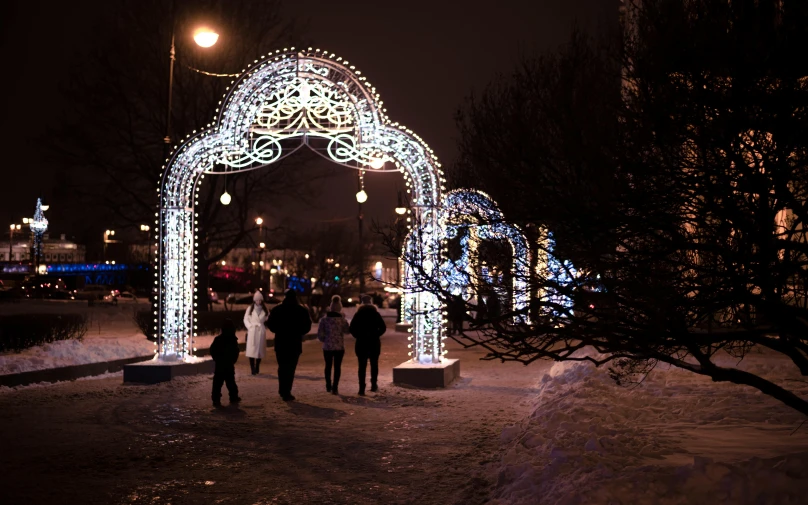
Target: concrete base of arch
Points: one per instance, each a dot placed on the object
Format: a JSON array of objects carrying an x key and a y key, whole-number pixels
[
  {"x": 152, "y": 371},
  {"x": 431, "y": 376}
]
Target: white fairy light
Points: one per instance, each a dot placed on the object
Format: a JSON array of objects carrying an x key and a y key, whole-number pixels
[{"x": 284, "y": 101}]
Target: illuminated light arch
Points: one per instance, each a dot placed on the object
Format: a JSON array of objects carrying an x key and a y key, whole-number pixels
[
  {"x": 476, "y": 211},
  {"x": 285, "y": 101}
]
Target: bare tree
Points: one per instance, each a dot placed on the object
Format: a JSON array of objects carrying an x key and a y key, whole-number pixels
[
  {"x": 115, "y": 141},
  {"x": 671, "y": 170}
]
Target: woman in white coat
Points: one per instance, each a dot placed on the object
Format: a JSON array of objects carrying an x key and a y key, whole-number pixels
[{"x": 254, "y": 319}]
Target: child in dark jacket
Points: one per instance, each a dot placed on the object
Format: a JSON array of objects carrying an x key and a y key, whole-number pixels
[{"x": 224, "y": 351}]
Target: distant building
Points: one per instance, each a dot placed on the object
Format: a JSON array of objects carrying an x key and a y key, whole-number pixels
[{"x": 58, "y": 250}]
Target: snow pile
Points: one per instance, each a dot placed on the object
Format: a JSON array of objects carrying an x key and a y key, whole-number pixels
[
  {"x": 74, "y": 352},
  {"x": 675, "y": 439},
  {"x": 94, "y": 348}
]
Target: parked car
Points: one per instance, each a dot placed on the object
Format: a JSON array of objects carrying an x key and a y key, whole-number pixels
[
  {"x": 58, "y": 294},
  {"x": 92, "y": 292},
  {"x": 115, "y": 297}
]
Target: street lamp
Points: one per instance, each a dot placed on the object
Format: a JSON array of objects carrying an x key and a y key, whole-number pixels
[
  {"x": 260, "y": 222},
  {"x": 11, "y": 230},
  {"x": 361, "y": 197},
  {"x": 107, "y": 240},
  {"x": 147, "y": 230},
  {"x": 204, "y": 37}
]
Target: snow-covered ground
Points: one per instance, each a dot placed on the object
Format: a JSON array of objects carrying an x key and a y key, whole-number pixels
[
  {"x": 677, "y": 438},
  {"x": 112, "y": 335}
]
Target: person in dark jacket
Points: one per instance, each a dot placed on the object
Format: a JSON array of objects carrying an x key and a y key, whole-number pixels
[
  {"x": 224, "y": 351},
  {"x": 456, "y": 309},
  {"x": 367, "y": 326},
  {"x": 289, "y": 321}
]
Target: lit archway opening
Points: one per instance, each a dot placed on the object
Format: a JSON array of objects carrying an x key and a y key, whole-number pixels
[
  {"x": 480, "y": 216},
  {"x": 285, "y": 101}
]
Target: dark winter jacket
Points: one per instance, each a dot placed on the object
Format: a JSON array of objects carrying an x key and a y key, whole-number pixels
[
  {"x": 224, "y": 351},
  {"x": 289, "y": 321},
  {"x": 366, "y": 327}
]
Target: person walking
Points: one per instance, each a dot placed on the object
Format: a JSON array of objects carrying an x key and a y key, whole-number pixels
[
  {"x": 367, "y": 326},
  {"x": 254, "y": 319},
  {"x": 289, "y": 321},
  {"x": 224, "y": 351},
  {"x": 330, "y": 332},
  {"x": 456, "y": 309}
]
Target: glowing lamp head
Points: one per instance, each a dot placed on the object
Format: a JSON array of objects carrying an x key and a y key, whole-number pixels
[
  {"x": 362, "y": 197},
  {"x": 205, "y": 37},
  {"x": 377, "y": 163},
  {"x": 262, "y": 245},
  {"x": 225, "y": 198},
  {"x": 259, "y": 221},
  {"x": 45, "y": 207},
  {"x": 401, "y": 211}
]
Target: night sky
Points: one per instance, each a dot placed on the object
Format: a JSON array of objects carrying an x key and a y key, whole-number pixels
[{"x": 423, "y": 57}]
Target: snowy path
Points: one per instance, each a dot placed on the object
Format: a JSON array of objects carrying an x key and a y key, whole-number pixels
[{"x": 98, "y": 441}]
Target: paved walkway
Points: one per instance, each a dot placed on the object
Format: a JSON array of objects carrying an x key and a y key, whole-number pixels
[{"x": 99, "y": 441}]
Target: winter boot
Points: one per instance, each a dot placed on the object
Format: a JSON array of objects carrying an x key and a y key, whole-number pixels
[
  {"x": 361, "y": 390},
  {"x": 374, "y": 387},
  {"x": 252, "y": 366},
  {"x": 257, "y": 366},
  {"x": 334, "y": 390}
]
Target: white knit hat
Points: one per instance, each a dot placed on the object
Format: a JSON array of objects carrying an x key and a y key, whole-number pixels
[{"x": 258, "y": 297}]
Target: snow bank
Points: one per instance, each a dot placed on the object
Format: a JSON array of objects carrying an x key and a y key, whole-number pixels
[
  {"x": 675, "y": 439},
  {"x": 96, "y": 347}
]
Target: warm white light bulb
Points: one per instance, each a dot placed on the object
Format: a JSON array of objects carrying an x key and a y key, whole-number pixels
[
  {"x": 362, "y": 197},
  {"x": 225, "y": 198},
  {"x": 377, "y": 163},
  {"x": 401, "y": 211},
  {"x": 205, "y": 37}
]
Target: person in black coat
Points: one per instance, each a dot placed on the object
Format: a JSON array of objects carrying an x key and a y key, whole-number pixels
[
  {"x": 224, "y": 351},
  {"x": 456, "y": 308},
  {"x": 289, "y": 321},
  {"x": 367, "y": 326}
]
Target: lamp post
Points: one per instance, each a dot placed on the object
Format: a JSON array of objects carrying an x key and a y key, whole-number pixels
[
  {"x": 260, "y": 222},
  {"x": 11, "y": 230},
  {"x": 107, "y": 240},
  {"x": 361, "y": 197},
  {"x": 204, "y": 37},
  {"x": 147, "y": 230}
]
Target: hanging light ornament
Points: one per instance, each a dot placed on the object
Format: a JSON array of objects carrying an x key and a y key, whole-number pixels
[
  {"x": 361, "y": 196},
  {"x": 225, "y": 198}
]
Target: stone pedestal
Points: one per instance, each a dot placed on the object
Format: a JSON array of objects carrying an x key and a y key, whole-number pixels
[
  {"x": 434, "y": 375},
  {"x": 403, "y": 327},
  {"x": 154, "y": 371}
]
